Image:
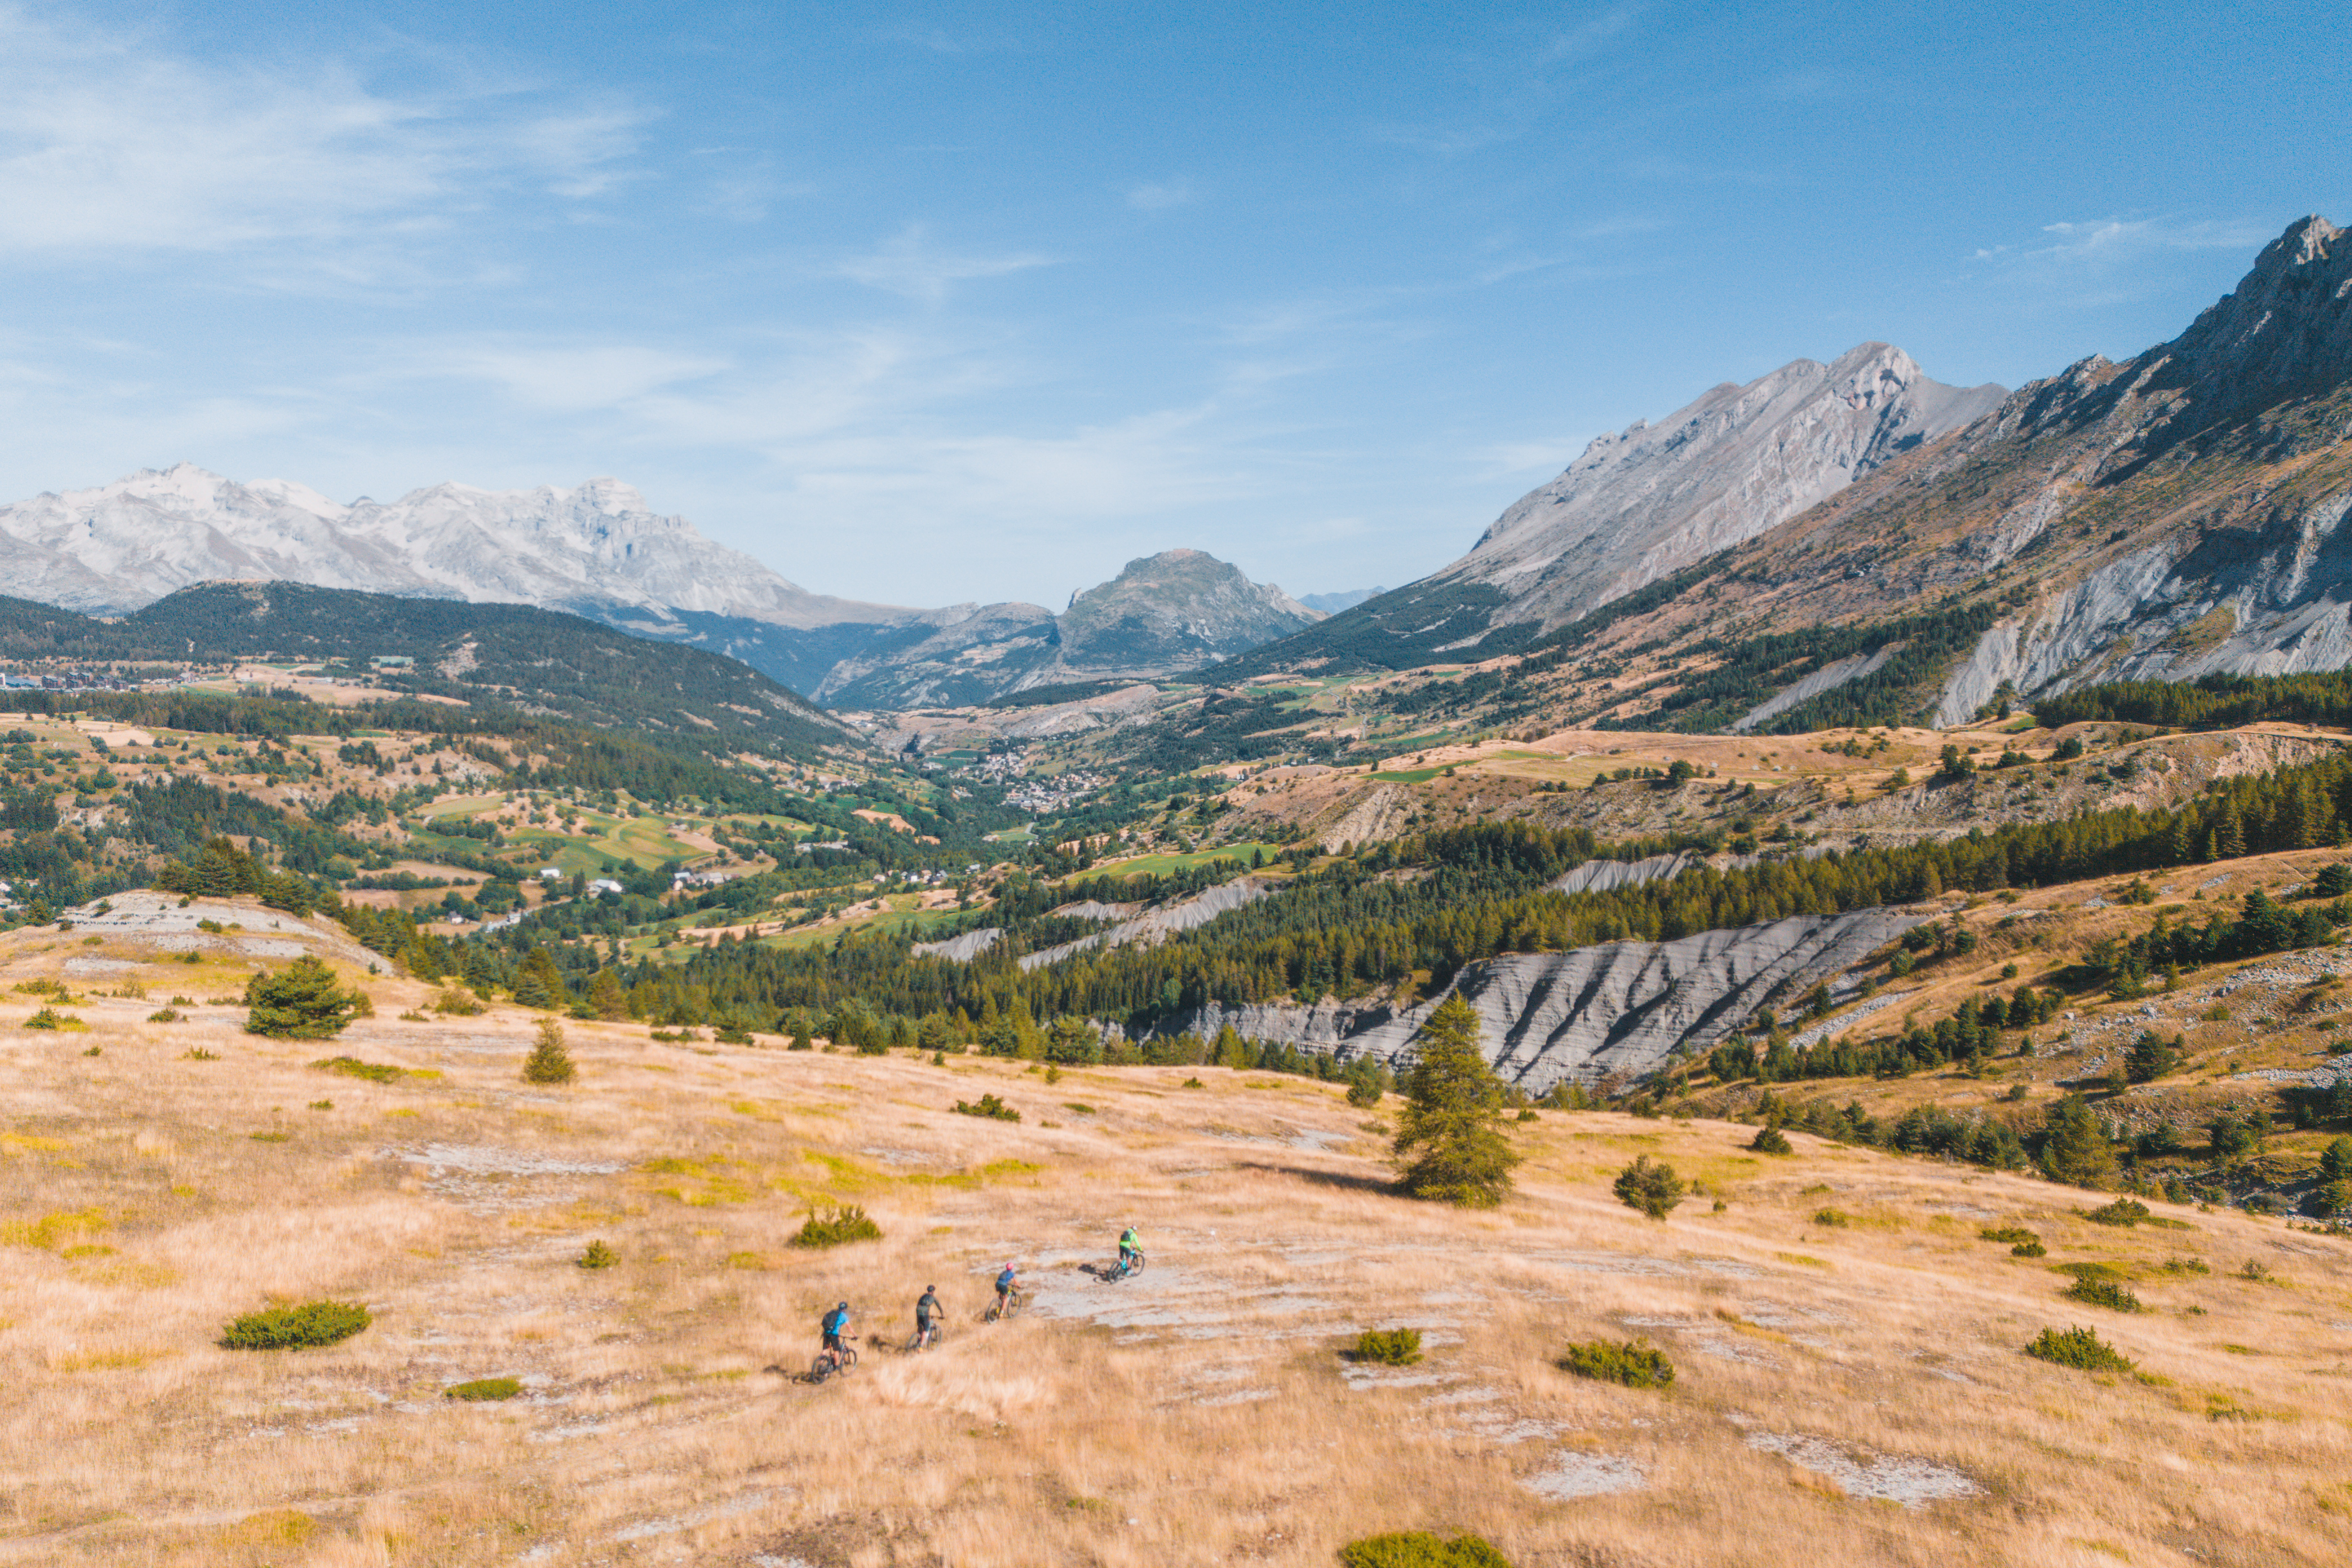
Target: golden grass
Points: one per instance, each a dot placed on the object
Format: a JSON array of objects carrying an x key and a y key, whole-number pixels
[{"x": 1197, "y": 1414}]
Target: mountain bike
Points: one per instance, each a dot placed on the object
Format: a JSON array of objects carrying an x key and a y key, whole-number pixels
[
  {"x": 1006, "y": 1306},
  {"x": 829, "y": 1362},
  {"x": 1130, "y": 1264},
  {"x": 936, "y": 1332}
]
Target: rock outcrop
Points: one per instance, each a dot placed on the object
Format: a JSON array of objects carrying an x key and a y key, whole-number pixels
[
  {"x": 1642, "y": 505},
  {"x": 1625, "y": 1008},
  {"x": 1157, "y": 925}
]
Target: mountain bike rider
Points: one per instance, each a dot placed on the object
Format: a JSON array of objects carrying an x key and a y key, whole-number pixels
[
  {"x": 1007, "y": 1282},
  {"x": 1130, "y": 1247},
  {"x": 927, "y": 1317},
  {"x": 835, "y": 1329}
]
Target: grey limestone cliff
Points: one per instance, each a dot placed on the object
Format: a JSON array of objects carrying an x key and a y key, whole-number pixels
[
  {"x": 1547, "y": 1018},
  {"x": 1640, "y": 505}
]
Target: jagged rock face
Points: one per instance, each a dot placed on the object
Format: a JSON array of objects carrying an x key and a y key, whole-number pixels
[
  {"x": 2216, "y": 474},
  {"x": 1177, "y": 609},
  {"x": 1547, "y": 1018},
  {"x": 1164, "y": 614},
  {"x": 1642, "y": 505},
  {"x": 596, "y": 547}
]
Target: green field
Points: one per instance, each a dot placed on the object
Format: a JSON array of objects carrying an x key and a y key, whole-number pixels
[
  {"x": 1162, "y": 865},
  {"x": 606, "y": 840}
]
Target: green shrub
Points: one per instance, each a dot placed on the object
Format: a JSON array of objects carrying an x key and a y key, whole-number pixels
[
  {"x": 2126, "y": 1212},
  {"x": 2079, "y": 1348},
  {"x": 456, "y": 1004},
  {"x": 1832, "y": 1219},
  {"x": 483, "y": 1388},
  {"x": 50, "y": 1018},
  {"x": 1651, "y": 1186},
  {"x": 1361, "y": 1092},
  {"x": 2095, "y": 1292},
  {"x": 165, "y": 1015},
  {"x": 2009, "y": 1233},
  {"x": 1388, "y": 1347},
  {"x": 549, "y": 1062},
  {"x": 296, "y": 1328},
  {"x": 1418, "y": 1549},
  {"x": 990, "y": 1106},
  {"x": 1636, "y": 1363},
  {"x": 352, "y": 1067},
  {"x": 300, "y": 1002},
  {"x": 843, "y": 1224},
  {"x": 598, "y": 1256},
  {"x": 2029, "y": 1249},
  {"x": 1771, "y": 1140}
]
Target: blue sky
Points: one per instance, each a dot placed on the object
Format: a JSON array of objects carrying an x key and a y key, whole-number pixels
[{"x": 952, "y": 302}]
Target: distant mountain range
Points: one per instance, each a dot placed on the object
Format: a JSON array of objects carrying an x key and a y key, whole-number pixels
[
  {"x": 1854, "y": 542},
  {"x": 540, "y": 661},
  {"x": 600, "y": 552}
]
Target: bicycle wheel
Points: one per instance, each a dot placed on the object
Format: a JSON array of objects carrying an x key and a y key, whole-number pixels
[{"x": 821, "y": 1368}]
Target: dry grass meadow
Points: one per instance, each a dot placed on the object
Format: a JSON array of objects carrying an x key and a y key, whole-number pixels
[{"x": 1850, "y": 1392}]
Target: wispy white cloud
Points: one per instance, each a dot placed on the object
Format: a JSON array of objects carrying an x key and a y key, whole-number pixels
[
  {"x": 1160, "y": 195},
  {"x": 111, "y": 144},
  {"x": 2101, "y": 241},
  {"x": 912, "y": 266}
]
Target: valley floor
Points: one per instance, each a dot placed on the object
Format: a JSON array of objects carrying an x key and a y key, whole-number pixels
[{"x": 1849, "y": 1392}]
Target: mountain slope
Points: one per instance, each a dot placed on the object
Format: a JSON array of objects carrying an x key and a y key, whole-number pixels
[
  {"x": 1639, "y": 506},
  {"x": 539, "y": 659},
  {"x": 2173, "y": 516}
]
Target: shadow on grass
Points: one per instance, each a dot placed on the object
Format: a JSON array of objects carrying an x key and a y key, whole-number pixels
[{"x": 1345, "y": 1181}]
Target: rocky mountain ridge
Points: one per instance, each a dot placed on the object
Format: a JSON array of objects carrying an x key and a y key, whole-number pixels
[
  {"x": 598, "y": 550},
  {"x": 2173, "y": 516}
]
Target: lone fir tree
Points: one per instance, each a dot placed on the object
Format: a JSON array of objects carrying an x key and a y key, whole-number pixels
[
  {"x": 549, "y": 1062},
  {"x": 1448, "y": 1145}
]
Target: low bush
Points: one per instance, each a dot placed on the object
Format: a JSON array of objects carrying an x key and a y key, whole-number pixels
[
  {"x": 2126, "y": 1212},
  {"x": 1832, "y": 1219},
  {"x": 165, "y": 1015},
  {"x": 302, "y": 1001},
  {"x": 311, "y": 1324},
  {"x": 2013, "y": 1233},
  {"x": 1771, "y": 1140},
  {"x": 549, "y": 1062},
  {"x": 598, "y": 1256},
  {"x": 483, "y": 1388},
  {"x": 842, "y": 1226},
  {"x": 1419, "y": 1549},
  {"x": 455, "y": 1003},
  {"x": 352, "y": 1067},
  {"x": 1636, "y": 1363},
  {"x": 50, "y": 1018},
  {"x": 989, "y": 1106},
  {"x": 2079, "y": 1348},
  {"x": 1649, "y": 1186},
  {"x": 2094, "y": 1292},
  {"x": 1387, "y": 1347},
  {"x": 2029, "y": 1250}
]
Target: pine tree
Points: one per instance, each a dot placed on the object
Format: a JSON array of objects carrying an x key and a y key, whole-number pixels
[
  {"x": 2074, "y": 1147},
  {"x": 481, "y": 969},
  {"x": 300, "y": 1002},
  {"x": 2336, "y": 1163},
  {"x": 1448, "y": 1146},
  {"x": 549, "y": 1062},
  {"x": 605, "y": 995},
  {"x": 2234, "y": 836},
  {"x": 2151, "y": 1057},
  {"x": 539, "y": 984}
]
